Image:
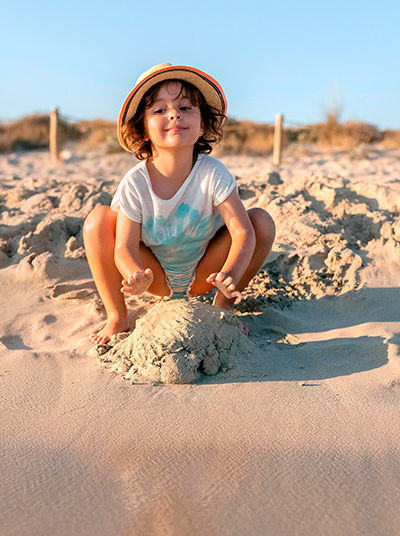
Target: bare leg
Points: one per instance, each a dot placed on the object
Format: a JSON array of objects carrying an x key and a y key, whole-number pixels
[
  {"x": 217, "y": 252},
  {"x": 99, "y": 238}
]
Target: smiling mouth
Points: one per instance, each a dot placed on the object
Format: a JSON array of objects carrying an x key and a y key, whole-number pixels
[{"x": 176, "y": 129}]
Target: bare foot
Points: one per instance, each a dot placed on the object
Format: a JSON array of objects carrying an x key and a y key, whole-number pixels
[
  {"x": 111, "y": 327},
  {"x": 138, "y": 282}
]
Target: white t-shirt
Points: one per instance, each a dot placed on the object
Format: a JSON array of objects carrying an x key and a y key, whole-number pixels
[{"x": 177, "y": 230}]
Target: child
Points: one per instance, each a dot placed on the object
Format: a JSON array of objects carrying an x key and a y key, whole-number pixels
[{"x": 176, "y": 225}]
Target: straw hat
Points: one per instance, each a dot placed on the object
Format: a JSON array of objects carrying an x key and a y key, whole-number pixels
[{"x": 209, "y": 87}]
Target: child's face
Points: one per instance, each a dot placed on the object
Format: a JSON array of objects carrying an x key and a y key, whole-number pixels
[{"x": 172, "y": 120}]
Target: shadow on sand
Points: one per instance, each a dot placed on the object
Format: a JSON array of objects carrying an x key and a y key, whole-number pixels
[{"x": 285, "y": 354}]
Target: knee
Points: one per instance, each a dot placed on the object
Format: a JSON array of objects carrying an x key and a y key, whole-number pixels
[
  {"x": 264, "y": 226},
  {"x": 98, "y": 220}
]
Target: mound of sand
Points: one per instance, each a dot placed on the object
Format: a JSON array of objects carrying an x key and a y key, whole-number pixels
[
  {"x": 41, "y": 221},
  {"x": 329, "y": 229},
  {"x": 176, "y": 340},
  {"x": 337, "y": 221}
]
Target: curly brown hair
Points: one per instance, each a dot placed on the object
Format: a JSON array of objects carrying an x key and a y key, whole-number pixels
[{"x": 133, "y": 132}]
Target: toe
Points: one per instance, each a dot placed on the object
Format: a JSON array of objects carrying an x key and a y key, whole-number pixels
[{"x": 96, "y": 332}]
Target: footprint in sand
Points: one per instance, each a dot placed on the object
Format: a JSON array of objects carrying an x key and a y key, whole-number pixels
[{"x": 73, "y": 291}]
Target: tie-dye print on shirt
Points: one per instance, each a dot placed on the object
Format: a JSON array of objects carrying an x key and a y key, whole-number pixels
[
  {"x": 181, "y": 239},
  {"x": 178, "y": 229}
]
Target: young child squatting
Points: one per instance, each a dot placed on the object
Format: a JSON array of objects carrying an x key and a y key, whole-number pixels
[{"x": 176, "y": 225}]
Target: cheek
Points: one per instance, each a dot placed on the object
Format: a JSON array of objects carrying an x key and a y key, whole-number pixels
[
  {"x": 151, "y": 125},
  {"x": 201, "y": 122},
  {"x": 146, "y": 125},
  {"x": 196, "y": 119}
]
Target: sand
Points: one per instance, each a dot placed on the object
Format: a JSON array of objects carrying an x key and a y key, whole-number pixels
[
  {"x": 176, "y": 341},
  {"x": 298, "y": 435}
]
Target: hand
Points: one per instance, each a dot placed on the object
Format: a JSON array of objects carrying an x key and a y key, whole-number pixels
[
  {"x": 224, "y": 284},
  {"x": 138, "y": 282}
]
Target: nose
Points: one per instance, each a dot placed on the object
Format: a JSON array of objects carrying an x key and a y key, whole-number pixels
[{"x": 174, "y": 114}]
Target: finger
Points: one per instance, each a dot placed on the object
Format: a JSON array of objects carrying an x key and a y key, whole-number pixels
[
  {"x": 148, "y": 273},
  {"x": 220, "y": 277},
  {"x": 211, "y": 277},
  {"x": 227, "y": 281},
  {"x": 139, "y": 276},
  {"x": 231, "y": 287},
  {"x": 126, "y": 287}
]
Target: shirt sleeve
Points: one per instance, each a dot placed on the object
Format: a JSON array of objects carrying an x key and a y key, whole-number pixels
[
  {"x": 223, "y": 184},
  {"x": 126, "y": 198}
]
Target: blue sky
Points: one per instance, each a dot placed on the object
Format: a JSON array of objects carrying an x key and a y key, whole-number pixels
[{"x": 290, "y": 57}]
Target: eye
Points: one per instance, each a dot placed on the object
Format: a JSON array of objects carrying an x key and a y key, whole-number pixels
[
  {"x": 159, "y": 111},
  {"x": 186, "y": 108}
]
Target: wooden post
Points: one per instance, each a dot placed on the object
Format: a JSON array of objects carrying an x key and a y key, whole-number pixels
[
  {"x": 276, "y": 158},
  {"x": 53, "y": 136}
]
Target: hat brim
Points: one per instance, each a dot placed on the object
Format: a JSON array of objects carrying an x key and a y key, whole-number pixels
[{"x": 209, "y": 87}]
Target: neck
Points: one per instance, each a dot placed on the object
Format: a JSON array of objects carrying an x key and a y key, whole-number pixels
[{"x": 175, "y": 164}]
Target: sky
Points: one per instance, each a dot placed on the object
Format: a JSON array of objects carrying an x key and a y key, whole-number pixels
[{"x": 290, "y": 57}]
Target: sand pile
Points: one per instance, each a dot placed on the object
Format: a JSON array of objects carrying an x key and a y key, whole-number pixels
[
  {"x": 176, "y": 341},
  {"x": 329, "y": 227},
  {"x": 41, "y": 218},
  {"x": 41, "y": 228},
  {"x": 328, "y": 230}
]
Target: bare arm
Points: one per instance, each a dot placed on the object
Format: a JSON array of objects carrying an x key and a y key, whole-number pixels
[
  {"x": 242, "y": 247},
  {"x": 127, "y": 257}
]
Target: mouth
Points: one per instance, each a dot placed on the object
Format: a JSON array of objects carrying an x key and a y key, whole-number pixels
[{"x": 176, "y": 129}]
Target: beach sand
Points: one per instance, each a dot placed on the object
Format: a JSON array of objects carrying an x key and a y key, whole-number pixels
[{"x": 301, "y": 436}]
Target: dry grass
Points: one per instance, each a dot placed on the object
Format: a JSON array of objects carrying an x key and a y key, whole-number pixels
[
  {"x": 391, "y": 139},
  {"x": 252, "y": 138},
  {"x": 32, "y": 132},
  {"x": 240, "y": 137},
  {"x": 247, "y": 137},
  {"x": 99, "y": 133},
  {"x": 347, "y": 135}
]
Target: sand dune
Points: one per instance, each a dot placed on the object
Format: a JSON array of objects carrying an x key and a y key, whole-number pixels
[{"x": 300, "y": 436}]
